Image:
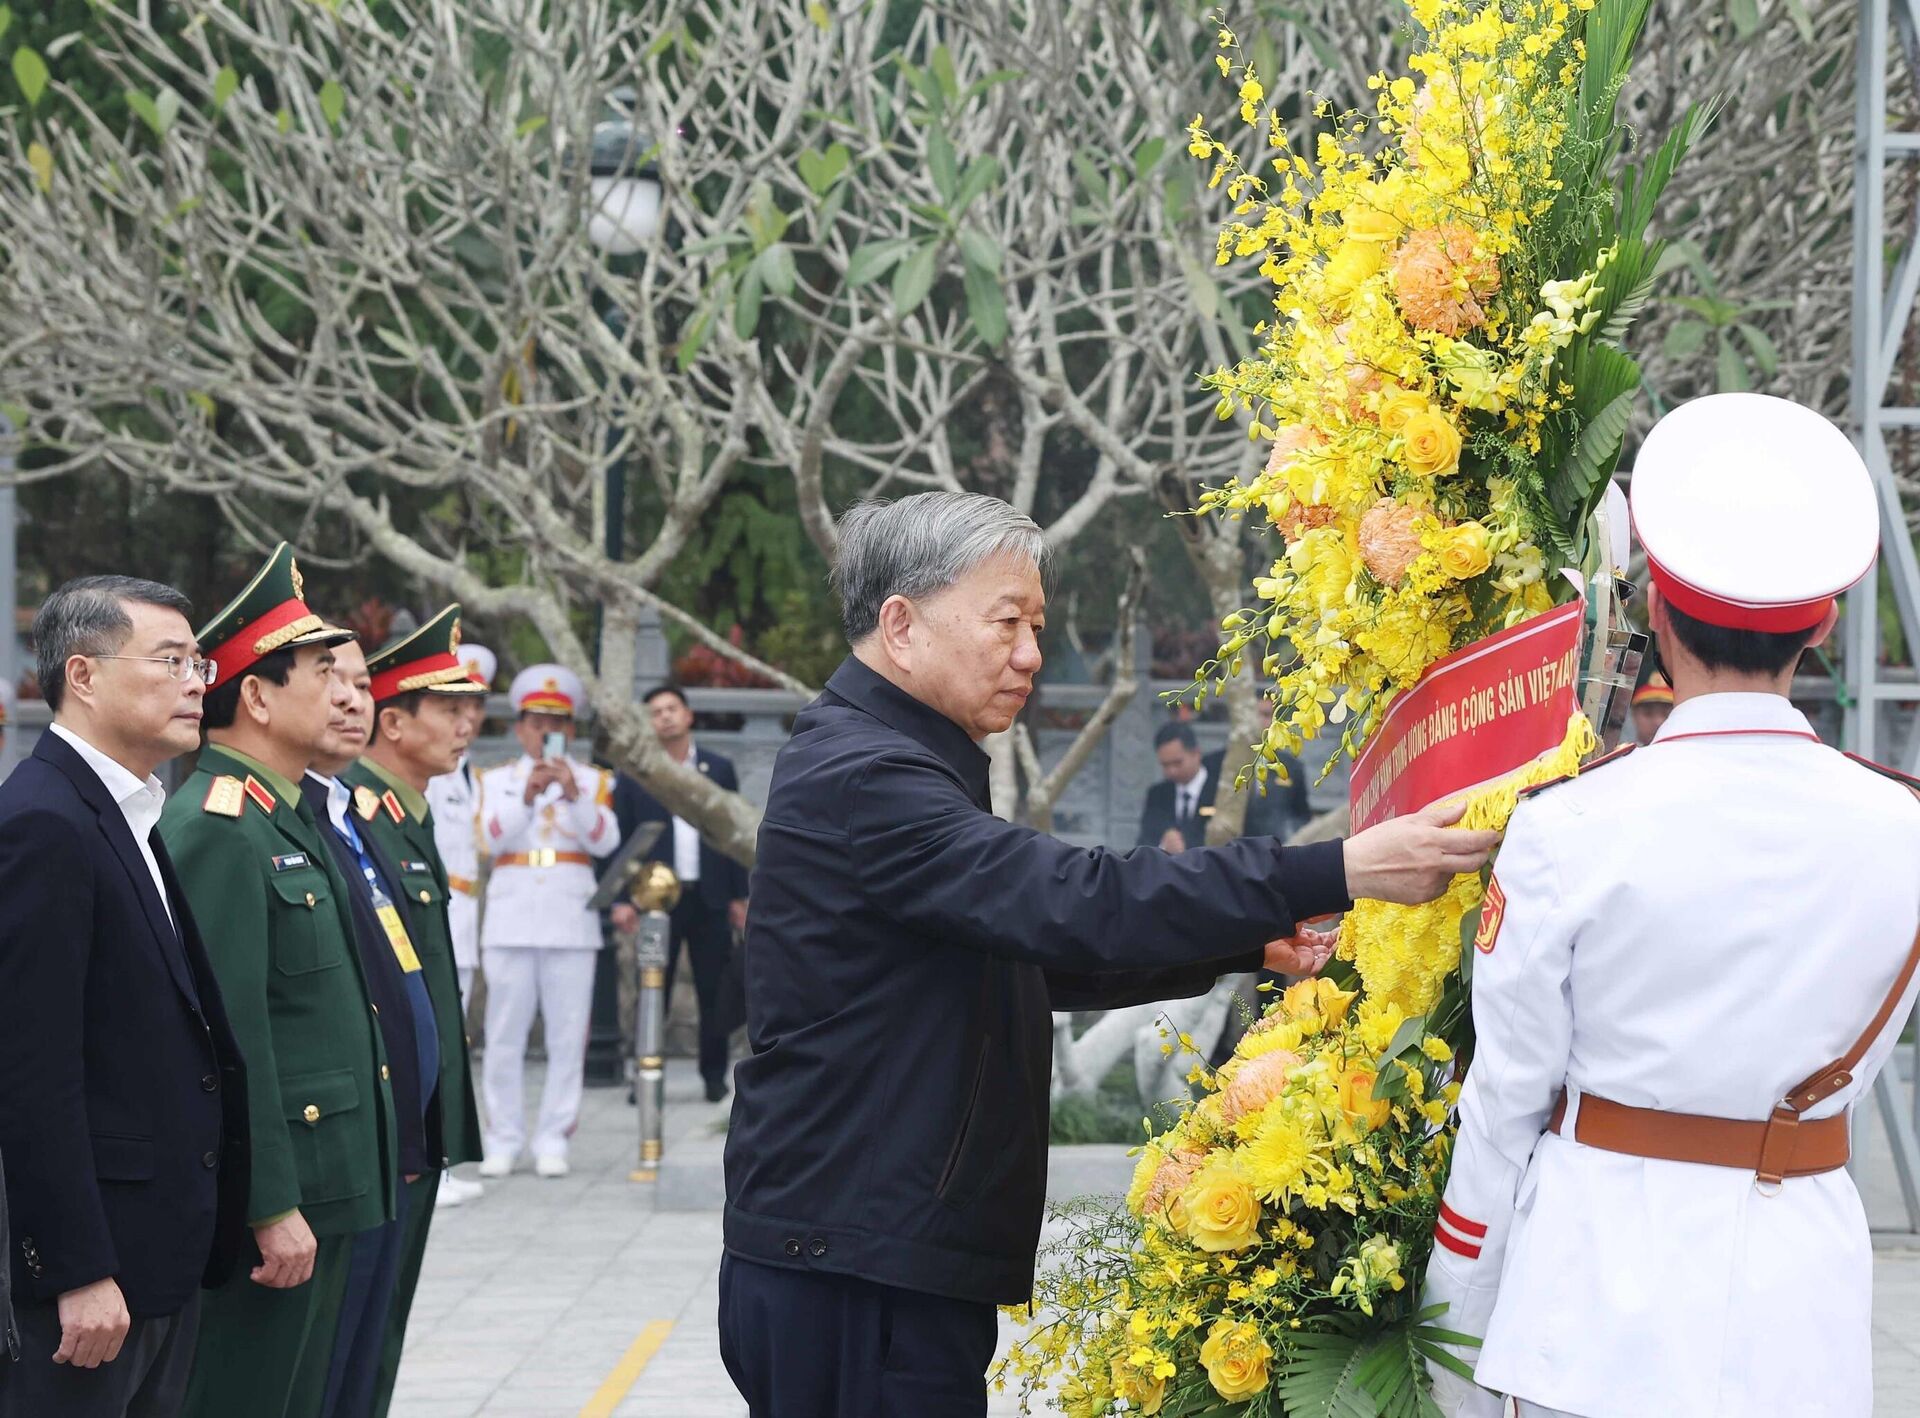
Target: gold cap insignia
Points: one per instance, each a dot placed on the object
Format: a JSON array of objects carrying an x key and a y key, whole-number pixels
[{"x": 299, "y": 581}]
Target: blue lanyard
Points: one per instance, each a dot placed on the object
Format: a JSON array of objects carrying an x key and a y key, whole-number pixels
[{"x": 351, "y": 836}]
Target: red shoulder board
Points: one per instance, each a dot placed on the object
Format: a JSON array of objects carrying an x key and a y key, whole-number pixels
[
  {"x": 392, "y": 804},
  {"x": 258, "y": 792},
  {"x": 1585, "y": 768},
  {"x": 1886, "y": 772}
]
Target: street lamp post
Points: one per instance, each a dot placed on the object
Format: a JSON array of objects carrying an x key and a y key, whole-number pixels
[{"x": 627, "y": 199}]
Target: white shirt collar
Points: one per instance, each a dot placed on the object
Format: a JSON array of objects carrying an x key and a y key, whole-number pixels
[
  {"x": 129, "y": 792},
  {"x": 1193, "y": 787},
  {"x": 338, "y": 800},
  {"x": 1735, "y": 713}
]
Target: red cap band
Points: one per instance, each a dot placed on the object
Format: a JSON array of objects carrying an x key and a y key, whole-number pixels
[
  {"x": 237, "y": 655},
  {"x": 392, "y": 681},
  {"x": 1734, "y": 615}
]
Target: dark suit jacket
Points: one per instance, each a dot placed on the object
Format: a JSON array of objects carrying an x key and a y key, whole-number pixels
[
  {"x": 123, "y": 1115},
  {"x": 904, "y": 955},
  {"x": 1274, "y": 813},
  {"x": 722, "y": 879}
]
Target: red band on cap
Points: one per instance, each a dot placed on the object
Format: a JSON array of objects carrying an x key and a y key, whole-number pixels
[
  {"x": 386, "y": 684},
  {"x": 1736, "y": 615},
  {"x": 236, "y": 656}
]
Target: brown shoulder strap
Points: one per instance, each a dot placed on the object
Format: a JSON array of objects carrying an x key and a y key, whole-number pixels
[{"x": 1837, "y": 1075}]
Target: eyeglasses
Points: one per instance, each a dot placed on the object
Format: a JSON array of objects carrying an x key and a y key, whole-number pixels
[{"x": 178, "y": 666}]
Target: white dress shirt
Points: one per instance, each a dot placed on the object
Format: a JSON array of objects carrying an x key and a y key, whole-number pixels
[
  {"x": 1186, "y": 796},
  {"x": 140, "y": 803},
  {"x": 686, "y": 837}
]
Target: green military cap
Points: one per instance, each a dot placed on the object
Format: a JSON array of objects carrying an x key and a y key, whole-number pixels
[
  {"x": 428, "y": 659},
  {"x": 270, "y": 614}
]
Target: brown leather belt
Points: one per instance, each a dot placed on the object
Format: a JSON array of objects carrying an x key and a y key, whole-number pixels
[
  {"x": 465, "y": 885},
  {"x": 542, "y": 858},
  {"x": 1778, "y": 1148},
  {"x": 1782, "y": 1146}
]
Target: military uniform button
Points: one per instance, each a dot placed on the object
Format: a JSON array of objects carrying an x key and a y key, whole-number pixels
[
  {"x": 425, "y": 896},
  {"x": 210, "y": 1160},
  {"x": 209, "y": 1083},
  {"x": 311, "y": 1113},
  {"x": 816, "y": 1247},
  {"x": 792, "y": 1246},
  {"x": 309, "y": 900},
  {"x": 384, "y": 1073}
]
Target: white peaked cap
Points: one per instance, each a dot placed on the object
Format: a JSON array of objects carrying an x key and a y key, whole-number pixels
[
  {"x": 1755, "y": 512},
  {"x": 481, "y": 663},
  {"x": 548, "y": 689}
]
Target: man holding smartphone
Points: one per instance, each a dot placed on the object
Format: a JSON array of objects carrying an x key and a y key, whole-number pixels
[{"x": 543, "y": 818}]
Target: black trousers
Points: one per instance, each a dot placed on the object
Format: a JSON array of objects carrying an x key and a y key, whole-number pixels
[
  {"x": 806, "y": 1344},
  {"x": 147, "y": 1380},
  {"x": 709, "y": 945}
]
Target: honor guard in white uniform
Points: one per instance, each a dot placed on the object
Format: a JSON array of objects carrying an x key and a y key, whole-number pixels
[
  {"x": 1692, "y": 961},
  {"x": 455, "y": 800},
  {"x": 543, "y": 819}
]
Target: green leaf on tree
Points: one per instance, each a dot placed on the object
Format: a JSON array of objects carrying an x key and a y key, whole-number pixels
[
  {"x": 980, "y": 250},
  {"x": 914, "y": 278},
  {"x": 6, "y": 19},
  {"x": 982, "y": 173},
  {"x": 941, "y": 164},
  {"x": 986, "y": 305},
  {"x": 821, "y": 170},
  {"x": 41, "y": 161},
  {"x": 746, "y": 305},
  {"x": 875, "y": 259},
  {"x": 529, "y": 126},
  {"x": 225, "y": 84},
  {"x": 775, "y": 266},
  {"x": 30, "y": 73},
  {"x": 333, "y": 102},
  {"x": 148, "y": 112}
]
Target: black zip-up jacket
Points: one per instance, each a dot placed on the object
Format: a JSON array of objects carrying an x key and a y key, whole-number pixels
[{"x": 904, "y": 956}]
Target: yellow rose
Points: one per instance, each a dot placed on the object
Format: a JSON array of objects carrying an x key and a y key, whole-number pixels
[
  {"x": 1221, "y": 1211},
  {"x": 1369, "y": 217},
  {"x": 1398, "y": 408},
  {"x": 1351, "y": 267},
  {"x": 1235, "y": 1358},
  {"x": 1144, "y": 1392},
  {"x": 1357, "y": 1100},
  {"x": 1432, "y": 445},
  {"x": 1465, "y": 552}
]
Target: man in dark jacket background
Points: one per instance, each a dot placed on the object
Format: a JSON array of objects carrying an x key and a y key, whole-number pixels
[
  {"x": 713, "y": 896},
  {"x": 886, "y": 1160},
  {"x": 123, "y": 1114}
]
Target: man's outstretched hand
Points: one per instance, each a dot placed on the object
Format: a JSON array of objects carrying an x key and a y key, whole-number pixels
[
  {"x": 1304, "y": 953},
  {"x": 1412, "y": 859}
]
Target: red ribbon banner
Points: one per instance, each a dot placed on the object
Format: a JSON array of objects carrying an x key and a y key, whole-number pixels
[{"x": 1472, "y": 718}]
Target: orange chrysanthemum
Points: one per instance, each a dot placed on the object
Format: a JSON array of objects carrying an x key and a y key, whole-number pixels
[
  {"x": 1389, "y": 541},
  {"x": 1442, "y": 279}
]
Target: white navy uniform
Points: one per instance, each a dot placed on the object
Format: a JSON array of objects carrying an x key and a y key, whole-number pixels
[
  {"x": 455, "y": 800},
  {"x": 1695, "y": 927},
  {"x": 538, "y": 944}
]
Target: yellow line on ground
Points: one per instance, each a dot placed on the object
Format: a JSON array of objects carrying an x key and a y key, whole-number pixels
[{"x": 607, "y": 1397}]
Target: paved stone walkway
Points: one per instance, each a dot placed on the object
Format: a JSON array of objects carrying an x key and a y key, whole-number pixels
[{"x": 550, "y": 1299}]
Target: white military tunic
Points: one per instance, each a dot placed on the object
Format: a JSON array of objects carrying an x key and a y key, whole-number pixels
[
  {"x": 539, "y": 943},
  {"x": 1694, "y": 928},
  {"x": 454, "y": 798},
  {"x": 544, "y": 905}
]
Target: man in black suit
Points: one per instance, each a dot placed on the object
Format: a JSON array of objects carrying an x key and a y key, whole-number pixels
[
  {"x": 886, "y": 1160},
  {"x": 122, "y": 1096},
  {"x": 713, "y": 886},
  {"x": 1177, "y": 807}
]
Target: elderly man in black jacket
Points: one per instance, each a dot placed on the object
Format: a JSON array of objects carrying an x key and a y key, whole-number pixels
[
  {"x": 123, "y": 1111},
  {"x": 886, "y": 1161}
]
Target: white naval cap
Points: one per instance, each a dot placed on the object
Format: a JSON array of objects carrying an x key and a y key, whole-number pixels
[
  {"x": 1755, "y": 512},
  {"x": 547, "y": 689},
  {"x": 482, "y": 664}
]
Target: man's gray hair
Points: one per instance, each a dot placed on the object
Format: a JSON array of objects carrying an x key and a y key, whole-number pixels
[
  {"x": 923, "y": 544},
  {"x": 89, "y": 616}
]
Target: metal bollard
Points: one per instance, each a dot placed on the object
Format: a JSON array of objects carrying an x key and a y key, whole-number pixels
[{"x": 650, "y": 1041}]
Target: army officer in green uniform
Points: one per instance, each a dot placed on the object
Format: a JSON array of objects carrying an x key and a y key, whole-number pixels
[
  {"x": 274, "y": 913},
  {"x": 419, "y": 732}
]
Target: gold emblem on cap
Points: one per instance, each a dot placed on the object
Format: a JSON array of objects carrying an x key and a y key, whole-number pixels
[
  {"x": 453, "y": 641},
  {"x": 299, "y": 581}
]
